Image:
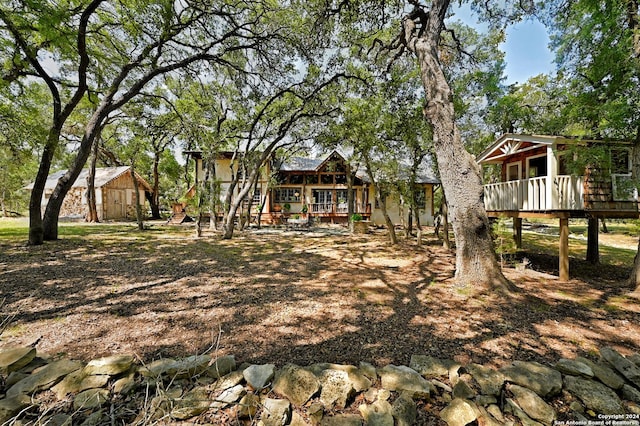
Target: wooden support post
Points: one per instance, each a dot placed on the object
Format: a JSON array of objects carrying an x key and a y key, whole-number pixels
[
  {"x": 593, "y": 252},
  {"x": 564, "y": 249},
  {"x": 517, "y": 231}
]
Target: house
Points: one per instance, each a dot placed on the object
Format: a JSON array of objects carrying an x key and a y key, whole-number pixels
[
  {"x": 535, "y": 182},
  {"x": 115, "y": 193},
  {"x": 319, "y": 186}
]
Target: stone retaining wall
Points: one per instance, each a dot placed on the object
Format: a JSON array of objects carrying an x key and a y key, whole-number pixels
[{"x": 204, "y": 389}]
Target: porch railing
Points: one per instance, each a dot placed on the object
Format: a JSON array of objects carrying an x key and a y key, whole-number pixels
[
  {"x": 335, "y": 208},
  {"x": 536, "y": 194}
]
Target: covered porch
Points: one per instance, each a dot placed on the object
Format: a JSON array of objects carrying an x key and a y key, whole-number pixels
[{"x": 535, "y": 183}]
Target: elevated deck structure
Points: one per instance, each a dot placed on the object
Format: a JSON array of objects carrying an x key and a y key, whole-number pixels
[{"x": 535, "y": 183}]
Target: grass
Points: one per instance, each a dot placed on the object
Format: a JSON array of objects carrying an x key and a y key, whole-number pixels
[{"x": 620, "y": 233}]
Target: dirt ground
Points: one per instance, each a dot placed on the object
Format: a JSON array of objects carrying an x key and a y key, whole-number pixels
[{"x": 282, "y": 297}]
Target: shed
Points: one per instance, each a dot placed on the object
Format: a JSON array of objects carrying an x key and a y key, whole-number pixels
[{"x": 115, "y": 193}]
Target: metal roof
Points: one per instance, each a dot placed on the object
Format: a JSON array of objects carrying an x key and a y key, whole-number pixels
[{"x": 103, "y": 176}]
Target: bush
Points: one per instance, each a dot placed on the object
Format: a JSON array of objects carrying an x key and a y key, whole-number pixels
[{"x": 356, "y": 217}]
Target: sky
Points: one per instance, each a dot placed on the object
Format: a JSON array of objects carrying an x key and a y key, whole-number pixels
[
  {"x": 527, "y": 52},
  {"x": 526, "y": 47}
]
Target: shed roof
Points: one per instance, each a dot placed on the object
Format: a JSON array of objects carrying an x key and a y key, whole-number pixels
[{"x": 103, "y": 176}]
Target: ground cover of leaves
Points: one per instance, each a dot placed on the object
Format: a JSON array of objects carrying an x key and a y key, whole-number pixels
[{"x": 300, "y": 297}]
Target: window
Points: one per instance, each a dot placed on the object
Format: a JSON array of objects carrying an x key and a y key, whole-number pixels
[
  {"x": 287, "y": 195},
  {"x": 312, "y": 179},
  {"x": 341, "y": 179},
  {"x": 296, "y": 179},
  {"x": 326, "y": 179},
  {"x": 537, "y": 166},
  {"x": 620, "y": 161},
  {"x": 513, "y": 171}
]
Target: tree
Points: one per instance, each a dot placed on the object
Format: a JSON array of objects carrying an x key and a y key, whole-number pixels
[
  {"x": 129, "y": 48},
  {"x": 476, "y": 263},
  {"x": 21, "y": 130}
]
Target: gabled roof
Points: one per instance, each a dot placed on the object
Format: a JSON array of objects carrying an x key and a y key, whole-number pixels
[
  {"x": 103, "y": 176},
  {"x": 513, "y": 143},
  {"x": 301, "y": 164}
]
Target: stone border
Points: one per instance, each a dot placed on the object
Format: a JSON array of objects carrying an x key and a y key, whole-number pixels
[{"x": 117, "y": 389}]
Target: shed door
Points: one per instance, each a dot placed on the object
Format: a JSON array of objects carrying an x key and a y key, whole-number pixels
[{"x": 116, "y": 208}]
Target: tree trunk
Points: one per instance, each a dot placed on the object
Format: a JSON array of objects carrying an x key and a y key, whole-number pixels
[
  {"x": 593, "y": 252},
  {"x": 52, "y": 212},
  {"x": 36, "y": 224},
  {"x": 154, "y": 199},
  {"x": 446, "y": 243},
  {"x": 137, "y": 199},
  {"x": 476, "y": 262},
  {"x": 92, "y": 213},
  {"x": 634, "y": 278}
]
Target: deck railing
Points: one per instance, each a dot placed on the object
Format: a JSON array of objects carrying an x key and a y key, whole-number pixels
[
  {"x": 335, "y": 208},
  {"x": 535, "y": 194}
]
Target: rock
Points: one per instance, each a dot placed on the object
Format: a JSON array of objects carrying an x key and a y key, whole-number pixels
[
  {"x": 14, "y": 358},
  {"x": 574, "y": 368},
  {"x": 443, "y": 386},
  {"x": 634, "y": 358},
  {"x": 459, "y": 412},
  {"x": 259, "y": 376},
  {"x": 342, "y": 420},
  {"x": 315, "y": 411},
  {"x": 94, "y": 419},
  {"x": 230, "y": 380},
  {"x": 377, "y": 414},
  {"x": 193, "y": 403},
  {"x": 275, "y": 412},
  {"x": 485, "y": 400},
  {"x": 604, "y": 373},
  {"x": 429, "y": 366},
  {"x": 632, "y": 407},
  {"x": 336, "y": 388},
  {"x": 512, "y": 407},
  {"x": 489, "y": 380},
  {"x": 76, "y": 382},
  {"x": 44, "y": 378},
  {"x": 486, "y": 419},
  {"x": 625, "y": 367},
  {"x": 125, "y": 384},
  {"x": 359, "y": 381},
  {"x": 594, "y": 395},
  {"x": 543, "y": 380},
  {"x": 14, "y": 378},
  {"x": 495, "y": 412},
  {"x": 404, "y": 410},
  {"x": 297, "y": 420},
  {"x": 533, "y": 405},
  {"x": 228, "y": 396},
  {"x": 296, "y": 383},
  {"x": 89, "y": 399},
  {"x": 157, "y": 368},
  {"x": 221, "y": 366},
  {"x": 10, "y": 407},
  {"x": 463, "y": 390},
  {"x": 248, "y": 406},
  {"x": 630, "y": 393},
  {"x": 401, "y": 378},
  {"x": 368, "y": 370},
  {"x": 111, "y": 365}
]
